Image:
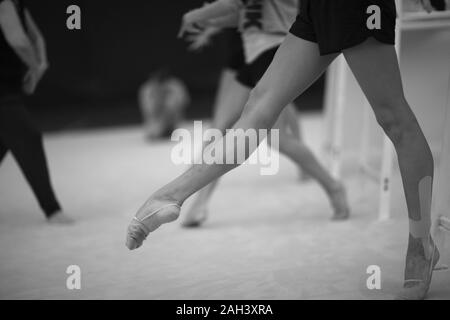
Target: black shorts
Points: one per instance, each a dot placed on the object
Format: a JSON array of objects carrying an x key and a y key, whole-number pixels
[
  {"x": 336, "y": 25},
  {"x": 251, "y": 73},
  {"x": 236, "y": 57}
]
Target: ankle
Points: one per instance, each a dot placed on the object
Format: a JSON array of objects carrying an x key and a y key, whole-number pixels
[
  {"x": 420, "y": 246},
  {"x": 165, "y": 198},
  {"x": 53, "y": 214}
]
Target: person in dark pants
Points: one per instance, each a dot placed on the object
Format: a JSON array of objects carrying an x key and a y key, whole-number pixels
[{"x": 23, "y": 62}]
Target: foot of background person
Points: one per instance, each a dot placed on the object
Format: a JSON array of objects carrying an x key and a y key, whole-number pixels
[
  {"x": 418, "y": 270},
  {"x": 60, "y": 218},
  {"x": 196, "y": 216},
  {"x": 339, "y": 201}
]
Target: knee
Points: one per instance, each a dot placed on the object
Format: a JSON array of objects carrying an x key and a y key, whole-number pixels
[{"x": 397, "y": 120}]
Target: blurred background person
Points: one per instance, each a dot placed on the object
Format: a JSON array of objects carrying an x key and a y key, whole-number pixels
[
  {"x": 23, "y": 62},
  {"x": 162, "y": 100}
]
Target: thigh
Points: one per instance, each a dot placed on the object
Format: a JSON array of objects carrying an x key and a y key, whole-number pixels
[
  {"x": 296, "y": 65},
  {"x": 231, "y": 104},
  {"x": 376, "y": 68}
]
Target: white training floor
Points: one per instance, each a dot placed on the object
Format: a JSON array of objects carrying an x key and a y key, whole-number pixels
[{"x": 268, "y": 237}]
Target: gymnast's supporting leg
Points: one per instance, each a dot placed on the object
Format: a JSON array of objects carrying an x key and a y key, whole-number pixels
[
  {"x": 376, "y": 68},
  {"x": 295, "y": 67}
]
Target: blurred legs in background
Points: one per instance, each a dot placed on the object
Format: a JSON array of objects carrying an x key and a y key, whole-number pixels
[
  {"x": 230, "y": 103},
  {"x": 236, "y": 82}
]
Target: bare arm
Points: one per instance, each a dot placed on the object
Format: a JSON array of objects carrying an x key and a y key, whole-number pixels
[
  {"x": 217, "y": 9},
  {"x": 37, "y": 39},
  {"x": 201, "y": 39},
  {"x": 231, "y": 20},
  {"x": 16, "y": 36},
  {"x": 201, "y": 16}
]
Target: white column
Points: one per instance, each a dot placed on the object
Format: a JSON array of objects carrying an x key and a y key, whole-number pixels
[
  {"x": 441, "y": 199},
  {"x": 340, "y": 100}
]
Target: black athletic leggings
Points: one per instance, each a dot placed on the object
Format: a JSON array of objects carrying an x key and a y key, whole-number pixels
[{"x": 19, "y": 135}]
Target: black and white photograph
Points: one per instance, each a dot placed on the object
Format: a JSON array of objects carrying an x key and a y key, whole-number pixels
[{"x": 225, "y": 155}]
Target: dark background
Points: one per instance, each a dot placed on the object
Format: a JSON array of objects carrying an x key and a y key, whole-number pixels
[{"x": 95, "y": 72}]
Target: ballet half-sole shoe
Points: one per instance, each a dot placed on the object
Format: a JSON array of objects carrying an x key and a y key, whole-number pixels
[{"x": 139, "y": 228}]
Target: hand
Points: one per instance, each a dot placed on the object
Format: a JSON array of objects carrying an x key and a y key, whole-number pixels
[
  {"x": 426, "y": 4},
  {"x": 43, "y": 67},
  {"x": 30, "y": 81},
  {"x": 200, "y": 40},
  {"x": 190, "y": 24},
  {"x": 33, "y": 77}
]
